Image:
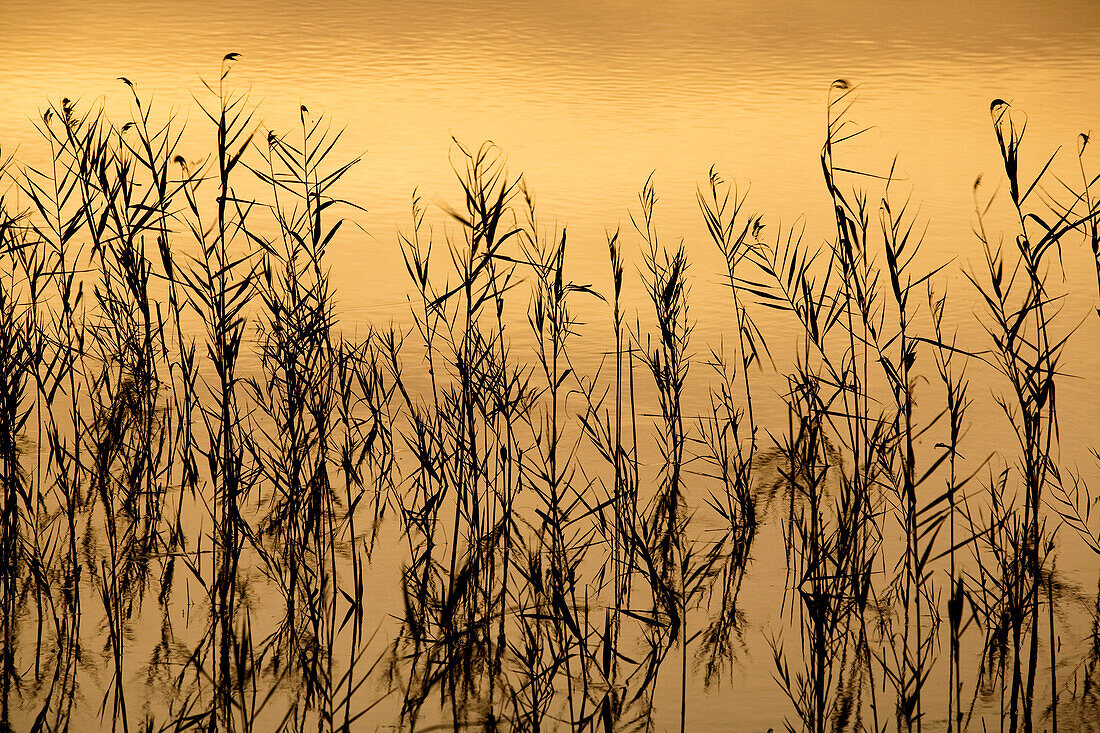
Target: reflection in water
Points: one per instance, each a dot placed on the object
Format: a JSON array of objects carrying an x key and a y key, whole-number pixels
[
  {"x": 1085, "y": 693},
  {"x": 607, "y": 88}
]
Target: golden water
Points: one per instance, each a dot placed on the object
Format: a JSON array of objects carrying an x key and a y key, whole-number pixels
[{"x": 587, "y": 99}]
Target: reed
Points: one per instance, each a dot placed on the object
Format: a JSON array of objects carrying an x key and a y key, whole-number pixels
[
  {"x": 16, "y": 354},
  {"x": 188, "y": 432},
  {"x": 1021, "y": 314}
]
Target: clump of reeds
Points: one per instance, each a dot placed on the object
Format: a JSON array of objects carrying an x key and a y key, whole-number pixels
[
  {"x": 728, "y": 435},
  {"x": 549, "y": 506}
]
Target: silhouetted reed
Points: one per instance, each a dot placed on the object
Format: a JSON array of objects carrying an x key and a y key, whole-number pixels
[{"x": 199, "y": 460}]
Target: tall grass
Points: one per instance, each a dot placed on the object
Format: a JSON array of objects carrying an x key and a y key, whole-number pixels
[{"x": 200, "y": 460}]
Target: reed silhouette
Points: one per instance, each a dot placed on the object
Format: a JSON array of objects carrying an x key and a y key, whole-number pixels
[{"x": 200, "y": 458}]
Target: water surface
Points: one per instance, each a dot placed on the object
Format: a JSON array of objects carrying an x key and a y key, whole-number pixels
[{"x": 587, "y": 99}]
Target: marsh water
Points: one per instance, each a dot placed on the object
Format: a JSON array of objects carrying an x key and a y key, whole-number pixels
[{"x": 588, "y": 100}]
